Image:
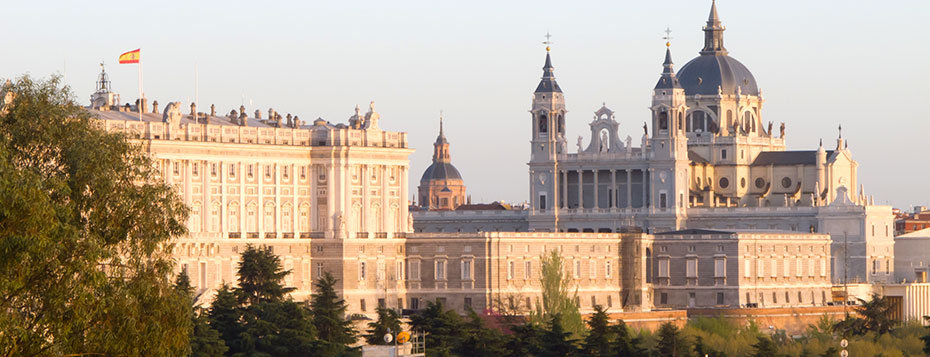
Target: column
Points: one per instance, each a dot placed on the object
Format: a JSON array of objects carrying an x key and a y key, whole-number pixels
[
  {"x": 224, "y": 201},
  {"x": 243, "y": 229},
  {"x": 629, "y": 188},
  {"x": 565, "y": 189},
  {"x": 580, "y": 189},
  {"x": 596, "y": 196},
  {"x": 385, "y": 208},
  {"x": 260, "y": 208},
  {"x": 295, "y": 202},
  {"x": 646, "y": 204},
  {"x": 331, "y": 199},
  {"x": 363, "y": 172},
  {"x": 277, "y": 183},
  {"x": 613, "y": 189},
  {"x": 405, "y": 205}
]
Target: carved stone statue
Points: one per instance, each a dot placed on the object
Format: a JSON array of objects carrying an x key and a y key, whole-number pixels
[
  {"x": 340, "y": 225},
  {"x": 603, "y": 147},
  {"x": 194, "y": 110},
  {"x": 782, "y": 129},
  {"x": 735, "y": 127},
  {"x": 155, "y": 106},
  {"x": 409, "y": 222},
  {"x": 212, "y": 110},
  {"x": 629, "y": 142},
  {"x": 645, "y": 129},
  {"x": 580, "y": 143},
  {"x": 770, "y": 129},
  {"x": 172, "y": 113}
]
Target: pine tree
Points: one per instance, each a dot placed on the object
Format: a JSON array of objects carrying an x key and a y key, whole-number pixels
[
  {"x": 261, "y": 278},
  {"x": 525, "y": 340},
  {"x": 765, "y": 347},
  {"x": 557, "y": 341},
  {"x": 204, "y": 340},
  {"x": 388, "y": 321},
  {"x": 328, "y": 311},
  {"x": 442, "y": 327},
  {"x": 624, "y": 345},
  {"x": 671, "y": 342},
  {"x": 225, "y": 317},
  {"x": 477, "y": 339},
  {"x": 600, "y": 334}
]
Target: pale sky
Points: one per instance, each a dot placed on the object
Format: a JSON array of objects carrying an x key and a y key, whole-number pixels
[{"x": 862, "y": 64}]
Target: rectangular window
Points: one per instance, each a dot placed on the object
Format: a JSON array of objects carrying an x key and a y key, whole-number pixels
[
  {"x": 213, "y": 170},
  {"x": 799, "y": 267},
  {"x": 177, "y": 169},
  {"x": 232, "y": 170},
  {"x": 720, "y": 268},
  {"x": 663, "y": 268},
  {"x": 303, "y": 172},
  {"x": 379, "y": 275},
  {"x": 747, "y": 272},
  {"x": 810, "y": 268},
  {"x": 511, "y": 270},
  {"x": 774, "y": 269},
  {"x": 440, "y": 271},
  {"x": 608, "y": 270},
  {"x": 786, "y": 266},
  {"x": 267, "y": 171},
  {"x": 542, "y": 202},
  {"x": 361, "y": 304},
  {"x": 663, "y": 298},
  {"x": 592, "y": 266},
  {"x": 467, "y": 303},
  {"x": 692, "y": 268},
  {"x": 319, "y": 270},
  {"x": 663, "y": 200},
  {"x": 527, "y": 269},
  {"x": 414, "y": 303},
  {"x": 577, "y": 272},
  {"x": 361, "y": 271},
  {"x": 466, "y": 270},
  {"x": 760, "y": 268},
  {"x": 399, "y": 271},
  {"x": 723, "y": 154},
  {"x": 413, "y": 270},
  {"x": 610, "y": 301},
  {"x": 719, "y": 298}
]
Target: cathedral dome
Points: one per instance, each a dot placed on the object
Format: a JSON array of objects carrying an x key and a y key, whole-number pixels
[
  {"x": 709, "y": 73},
  {"x": 440, "y": 171},
  {"x": 714, "y": 71}
]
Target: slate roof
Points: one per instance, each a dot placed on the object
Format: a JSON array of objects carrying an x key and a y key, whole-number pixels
[
  {"x": 808, "y": 157},
  {"x": 440, "y": 171},
  {"x": 548, "y": 83},
  {"x": 705, "y": 73},
  {"x": 696, "y": 158}
]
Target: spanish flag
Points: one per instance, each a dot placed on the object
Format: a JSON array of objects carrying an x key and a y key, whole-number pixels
[{"x": 131, "y": 56}]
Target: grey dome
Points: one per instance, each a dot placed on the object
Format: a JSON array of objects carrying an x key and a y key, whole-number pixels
[
  {"x": 440, "y": 171},
  {"x": 704, "y": 74}
]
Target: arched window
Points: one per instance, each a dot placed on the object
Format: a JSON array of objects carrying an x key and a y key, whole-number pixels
[
  {"x": 747, "y": 121},
  {"x": 397, "y": 219},
  {"x": 543, "y": 124},
  {"x": 697, "y": 122},
  {"x": 680, "y": 120},
  {"x": 357, "y": 217},
  {"x": 561, "y": 128},
  {"x": 729, "y": 118},
  {"x": 663, "y": 120}
]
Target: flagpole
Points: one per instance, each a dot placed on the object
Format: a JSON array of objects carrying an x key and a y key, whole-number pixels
[{"x": 141, "y": 93}]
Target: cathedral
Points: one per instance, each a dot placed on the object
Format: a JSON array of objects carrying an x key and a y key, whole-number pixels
[
  {"x": 708, "y": 160},
  {"x": 441, "y": 187}
]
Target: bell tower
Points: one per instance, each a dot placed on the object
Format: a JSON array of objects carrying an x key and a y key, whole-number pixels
[
  {"x": 668, "y": 146},
  {"x": 546, "y": 144}
]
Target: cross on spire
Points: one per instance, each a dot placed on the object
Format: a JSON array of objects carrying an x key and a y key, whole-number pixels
[
  {"x": 668, "y": 37},
  {"x": 840, "y": 129},
  {"x": 548, "y": 41}
]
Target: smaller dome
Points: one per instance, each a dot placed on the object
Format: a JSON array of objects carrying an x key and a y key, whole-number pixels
[{"x": 440, "y": 171}]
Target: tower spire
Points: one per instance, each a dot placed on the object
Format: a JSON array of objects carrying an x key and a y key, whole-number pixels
[
  {"x": 548, "y": 84},
  {"x": 713, "y": 33},
  {"x": 668, "y": 78}
]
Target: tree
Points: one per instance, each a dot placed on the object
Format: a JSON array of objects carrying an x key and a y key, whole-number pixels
[
  {"x": 442, "y": 328},
  {"x": 558, "y": 342},
  {"x": 875, "y": 316},
  {"x": 477, "y": 339},
  {"x": 280, "y": 328},
  {"x": 525, "y": 340},
  {"x": 600, "y": 335},
  {"x": 926, "y": 338},
  {"x": 388, "y": 322},
  {"x": 556, "y": 296},
  {"x": 671, "y": 342},
  {"x": 624, "y": 344},
  {"x": 204, "y": 340},
  {"x": 328, "y": 311},
  {"x": 261, "y": 278},
  {"x": 765, "y": 347},
  {"x": 85, "y": 231},
  {"x": 225, "y": 317}
]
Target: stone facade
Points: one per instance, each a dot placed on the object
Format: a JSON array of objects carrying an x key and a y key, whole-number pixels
[{"x": 701, "y": 268}]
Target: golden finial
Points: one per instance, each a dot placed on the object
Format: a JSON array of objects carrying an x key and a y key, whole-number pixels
[
  {"x": 668, "y": 37},
  {"x": 547, "y": 42}
]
